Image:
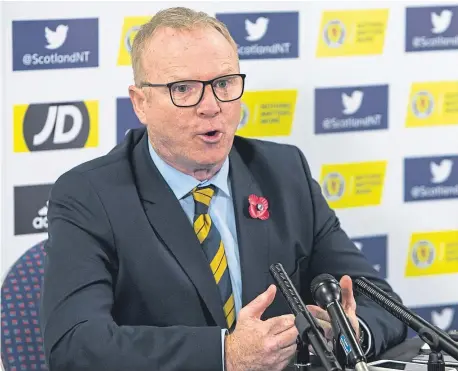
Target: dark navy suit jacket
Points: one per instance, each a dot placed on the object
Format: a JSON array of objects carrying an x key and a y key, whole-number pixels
[{"x": 127, "y": 286}]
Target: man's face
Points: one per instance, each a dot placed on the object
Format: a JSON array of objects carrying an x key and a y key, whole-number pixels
[{"x": 198, "y": 137}]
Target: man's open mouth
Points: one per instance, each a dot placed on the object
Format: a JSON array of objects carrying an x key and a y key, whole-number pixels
[{"x": 212, "y": 136}]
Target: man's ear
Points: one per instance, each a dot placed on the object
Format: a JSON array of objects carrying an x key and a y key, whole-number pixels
[{"x": 139, "y": 102}]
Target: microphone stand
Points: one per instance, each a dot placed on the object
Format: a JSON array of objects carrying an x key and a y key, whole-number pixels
[
  {"x": 302, "y": 354},
  {"x": 308, "y": 336},
  {"x": 436, "y": 358}
]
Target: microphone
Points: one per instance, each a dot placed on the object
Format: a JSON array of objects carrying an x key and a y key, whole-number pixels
[
  {"x": 308, "y": 328},
  {"x": 436, "y": 338},
  {"x": 326, "y": 293}
]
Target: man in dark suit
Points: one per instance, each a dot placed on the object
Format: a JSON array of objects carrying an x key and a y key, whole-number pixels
[{"x": 159, "y": 252}]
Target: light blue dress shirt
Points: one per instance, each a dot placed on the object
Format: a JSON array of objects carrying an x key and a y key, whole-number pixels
[
  {"x": 221, "y": 211},
  {"x": 222, "y": 214}
]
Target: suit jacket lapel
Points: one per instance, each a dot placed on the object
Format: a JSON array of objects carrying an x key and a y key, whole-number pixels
[
  {"x": 167, "y": 217},
  {"x": 253, "y": 234}
]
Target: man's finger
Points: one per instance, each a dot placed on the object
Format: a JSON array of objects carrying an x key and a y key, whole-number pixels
[
  {"x": 325, "y": 324},
  {"x": 280, "y": 324},
  {"x": 258, "y": 305},
  {"x": 286, "y": 355},
  {"x": 319, "y": 313},
  {"x": 327, "y": 328},
  {"x": 348, "y": 300},
  {"x": 286, "y": 338}
]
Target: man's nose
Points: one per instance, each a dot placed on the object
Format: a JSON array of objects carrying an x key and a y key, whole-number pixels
[{"x": 209, "y": 105}]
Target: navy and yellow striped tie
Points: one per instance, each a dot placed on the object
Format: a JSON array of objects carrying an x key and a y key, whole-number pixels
[{"x": 213, "y": 246}]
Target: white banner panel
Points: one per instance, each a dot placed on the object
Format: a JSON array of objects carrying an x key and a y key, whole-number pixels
[{"x": 367, "y": 90}]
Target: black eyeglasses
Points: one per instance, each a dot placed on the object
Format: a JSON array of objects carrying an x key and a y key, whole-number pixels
[{"x": 188, "y": 93}]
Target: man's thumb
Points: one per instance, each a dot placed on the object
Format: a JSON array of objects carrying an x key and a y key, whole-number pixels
[{"x": 257, "y": 306}]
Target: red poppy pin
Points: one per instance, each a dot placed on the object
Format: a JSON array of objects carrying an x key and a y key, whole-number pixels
[{"x": 258, "y": 207}]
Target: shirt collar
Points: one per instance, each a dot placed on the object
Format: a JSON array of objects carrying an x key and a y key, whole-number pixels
[{"x": 181, "y": 184}]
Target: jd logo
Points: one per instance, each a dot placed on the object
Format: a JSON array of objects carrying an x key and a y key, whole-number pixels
[
  {"x": 56, "y": 126},
  {"x": 62, "y": 126}
]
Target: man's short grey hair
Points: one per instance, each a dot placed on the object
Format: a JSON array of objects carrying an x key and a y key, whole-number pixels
[{"x": 177, "y": 18}]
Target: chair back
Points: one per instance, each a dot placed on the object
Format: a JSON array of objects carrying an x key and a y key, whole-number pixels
[{"x": 22, "y": 343}]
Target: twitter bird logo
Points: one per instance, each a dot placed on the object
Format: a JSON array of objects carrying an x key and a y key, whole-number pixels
[
  {"x": 444, "y": 318},
  {"x": 440, "y": 172},
  {"x": 56, "y": 38},
  {"x": 359, "y": 245},
  {"x": 257, "y": 30},
  {"x": 441, "y": 22},
  {"x": 353, "y": 102}
]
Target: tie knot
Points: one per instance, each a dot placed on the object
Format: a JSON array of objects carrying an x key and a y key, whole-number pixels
[{"x": 202, "y": 197}]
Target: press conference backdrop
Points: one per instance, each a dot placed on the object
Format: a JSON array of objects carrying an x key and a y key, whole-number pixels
[{"x": 367, "y": 90}]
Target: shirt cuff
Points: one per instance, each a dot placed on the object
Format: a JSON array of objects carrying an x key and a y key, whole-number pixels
[
  {"x": 368, "y": 337},
  {"x": 223, "y": 338}
]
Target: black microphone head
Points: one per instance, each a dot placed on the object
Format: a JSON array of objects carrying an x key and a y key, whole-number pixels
[
  {"x": 325, "y": 289},
  {"x": 318, "y": 280}
]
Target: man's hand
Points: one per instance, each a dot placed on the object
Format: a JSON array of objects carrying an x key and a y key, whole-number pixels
[
  {"x": 261, "y": 345},
  {"x": 348, "y": 305}
]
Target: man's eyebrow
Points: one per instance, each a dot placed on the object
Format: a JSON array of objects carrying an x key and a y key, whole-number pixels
[{"x": 227, "y": 71}]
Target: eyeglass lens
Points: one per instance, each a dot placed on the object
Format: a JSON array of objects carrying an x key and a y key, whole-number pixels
[{"x": 188, "y": 93}]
